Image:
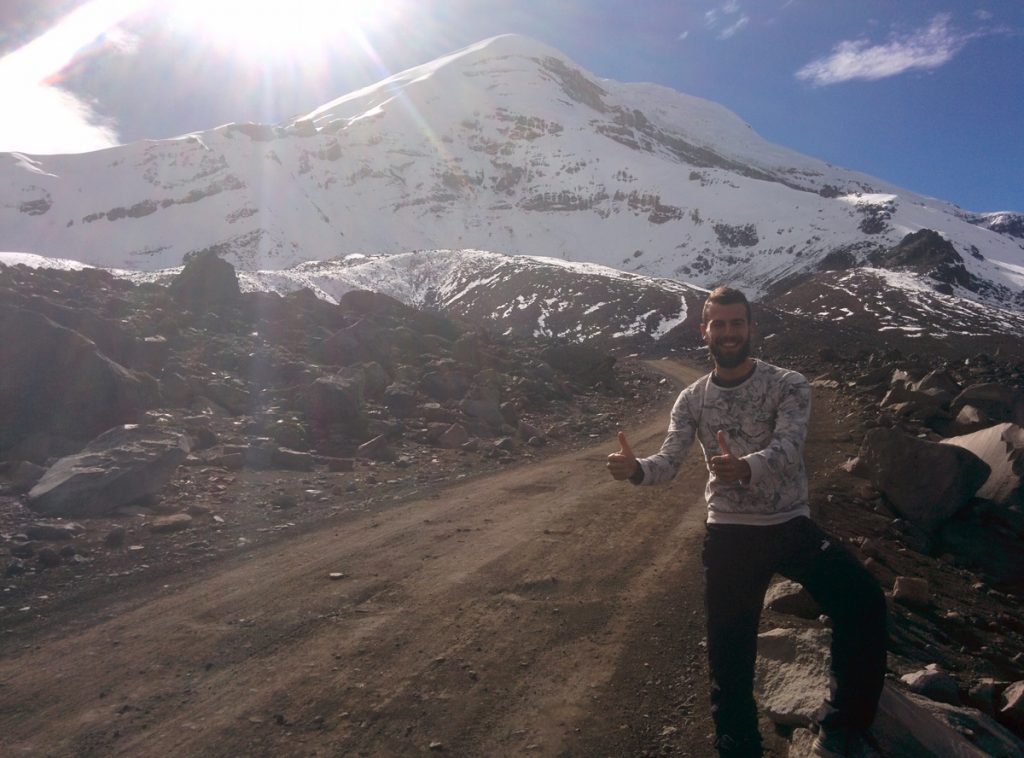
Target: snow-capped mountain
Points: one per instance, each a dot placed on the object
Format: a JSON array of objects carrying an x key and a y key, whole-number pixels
[{"x": 505, "y": 146}]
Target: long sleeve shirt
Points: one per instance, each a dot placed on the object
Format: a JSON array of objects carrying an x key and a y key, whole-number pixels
[{"x": 765, "y": 422}]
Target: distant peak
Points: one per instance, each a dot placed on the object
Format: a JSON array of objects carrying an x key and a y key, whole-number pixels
[{"x": 516, "y": 44}]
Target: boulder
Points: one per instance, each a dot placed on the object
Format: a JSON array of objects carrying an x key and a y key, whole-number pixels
[
  {"x": 400, "y": 400},
  {"x": 332, "y": 399},
  {"x": 445, "y": 384},
  {"x": 229, "y": 395},
  {"x": 985, "y": 693},
  {"x": 912, "y": 591},
  {"x": 55, "y": 382},
  {"x": 926, "y": 482},
  {"x": 998, "y": 402},
  {"x": 487, "y": 411},
  {"x": 907, "y": 724},
  {"x": 792, "y": 674},
  {"x": 791, "y": 598},
  {"x": 207, "y": 283},
  {"x": 1002, "y": 448},
  {"x": 933, "y": 683},
  {"x": 377, "y": 449},
  {"x": 25, "y": 475},
  {"x": 454, "y": 436},
  {"x": 49, "y": 532},
  {"x": 1012, "y": 705},
  {"x": 120, "y": 466},
  {"x": 938, "y": 380}
]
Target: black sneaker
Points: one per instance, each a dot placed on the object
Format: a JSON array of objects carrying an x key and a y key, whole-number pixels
[{"x": 840, "y": 742}]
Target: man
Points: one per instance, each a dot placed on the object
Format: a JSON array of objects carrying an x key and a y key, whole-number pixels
[{"x": 751, "y": 419}]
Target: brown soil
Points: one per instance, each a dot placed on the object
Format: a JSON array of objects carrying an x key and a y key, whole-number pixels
[{"x": 543, "y": 609}]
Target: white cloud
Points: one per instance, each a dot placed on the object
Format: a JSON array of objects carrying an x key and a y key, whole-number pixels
[
  {"x": 731, "y": 30},
  {"x": 927, "y": 48},
  {"x": 683, "y": 35},
  {"x": 724, "y": 14},
  {"x": 39, "y": 115}
]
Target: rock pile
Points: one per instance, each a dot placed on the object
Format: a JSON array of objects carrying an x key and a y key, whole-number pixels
[
  {"x": 84, "y": 352},
  {"x": 151, "y": 410}
]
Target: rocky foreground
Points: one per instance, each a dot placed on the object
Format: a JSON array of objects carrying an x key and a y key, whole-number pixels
[{"x": 148, "y": 428}]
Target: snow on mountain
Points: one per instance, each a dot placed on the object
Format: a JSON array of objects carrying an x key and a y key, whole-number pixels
[{"x": 505, "y": 146}]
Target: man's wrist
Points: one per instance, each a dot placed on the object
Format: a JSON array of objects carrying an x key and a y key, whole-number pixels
[{"x": 637, "y": 477}]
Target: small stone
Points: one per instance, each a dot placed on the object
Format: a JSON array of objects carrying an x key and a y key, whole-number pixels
[
  {"x": 435, "y": 745},
  {"x": 912, "y": 591},
  {"x": 115, "y": 537},
  {"x": 174, "y": 523}
]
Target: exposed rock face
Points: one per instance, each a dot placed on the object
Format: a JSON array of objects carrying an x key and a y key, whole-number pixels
[
  {"x": 927, "y": 252},
  {"x": 119, "y": 467}
]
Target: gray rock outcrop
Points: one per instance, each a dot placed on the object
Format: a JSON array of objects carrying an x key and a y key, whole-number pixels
[{"x": 120, "y": 466}]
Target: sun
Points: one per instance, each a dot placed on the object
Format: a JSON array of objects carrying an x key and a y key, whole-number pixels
[{"x": 275, "y": 28}]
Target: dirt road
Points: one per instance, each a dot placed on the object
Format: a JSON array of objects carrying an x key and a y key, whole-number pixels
[{"x": 546, "y": 610}]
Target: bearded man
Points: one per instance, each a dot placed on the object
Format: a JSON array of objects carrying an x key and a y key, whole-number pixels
[{"x": 751, "y": 420}]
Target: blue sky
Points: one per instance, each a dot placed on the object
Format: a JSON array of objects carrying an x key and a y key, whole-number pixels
[{"x": 927, "y": 95}]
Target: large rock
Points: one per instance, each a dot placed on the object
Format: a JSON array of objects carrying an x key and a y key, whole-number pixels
[
  {"x": 1002, "y": 448},
  {"x": 446, "y": 383},
  {"x": 789, "y": 597},
  {"x": 908, "y": 724},
  {"x": 926, "y": 482},
  {"x": 933, "y": 683},
  {"x": 331, "y": 399},
  {"x": 792, "y": 674},
  {"x": 998, "y": 402},
  {"x": 54, "y": 381},
  {"x": 207, "y": 283},
  {"x": 1012, "y": 705},
  {"x": 119, "y": 467}
]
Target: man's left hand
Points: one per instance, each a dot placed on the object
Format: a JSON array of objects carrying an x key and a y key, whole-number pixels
[{"x": 728, "y": 467}]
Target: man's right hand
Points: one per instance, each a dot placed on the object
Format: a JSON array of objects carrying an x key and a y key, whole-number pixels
[{"x": 623, "y": 464}]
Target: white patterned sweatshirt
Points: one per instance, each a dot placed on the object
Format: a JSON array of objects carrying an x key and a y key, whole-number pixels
[{"x": 765, "y": 422}]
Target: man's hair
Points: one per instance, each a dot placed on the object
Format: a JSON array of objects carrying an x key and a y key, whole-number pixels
[{"x": 725, "y": 296}]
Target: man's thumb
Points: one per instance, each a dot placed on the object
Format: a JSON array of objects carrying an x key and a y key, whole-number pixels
[
  {"x": 723, "y": 443},
  {"x": 624, "y": 447}
]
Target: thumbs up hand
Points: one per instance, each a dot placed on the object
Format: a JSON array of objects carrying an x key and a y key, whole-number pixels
[
  {"x": 623, "y": 464},
  {"x": 726, "y": 466}
]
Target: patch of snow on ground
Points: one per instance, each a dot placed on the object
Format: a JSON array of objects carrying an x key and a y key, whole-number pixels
[{"x": 38, "y": 261}]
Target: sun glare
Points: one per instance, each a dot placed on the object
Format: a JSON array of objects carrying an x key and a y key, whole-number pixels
[{"x": 276, "y": 27}]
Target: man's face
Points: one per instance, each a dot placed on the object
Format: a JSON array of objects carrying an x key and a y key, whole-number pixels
[{"x": 727, "y": 334}]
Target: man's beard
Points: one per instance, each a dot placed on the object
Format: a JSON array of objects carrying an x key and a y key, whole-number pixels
[{"x": 733, "y": 358}]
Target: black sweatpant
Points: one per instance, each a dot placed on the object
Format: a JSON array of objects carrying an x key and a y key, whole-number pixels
[{"x": 739, "y": 562}]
